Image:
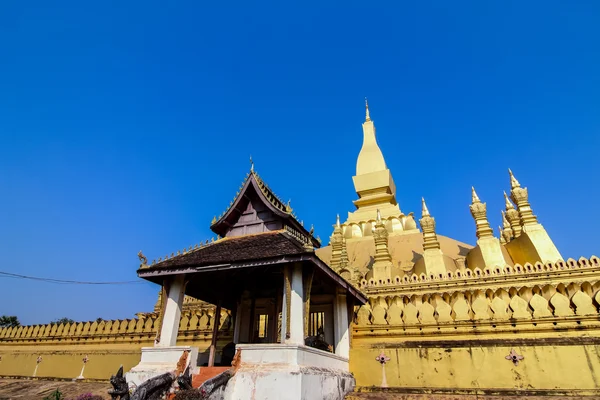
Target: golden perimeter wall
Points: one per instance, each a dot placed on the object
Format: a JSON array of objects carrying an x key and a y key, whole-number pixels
[
  {"x": 107, "y": 345},
  {"x": 445, "y": 333}
]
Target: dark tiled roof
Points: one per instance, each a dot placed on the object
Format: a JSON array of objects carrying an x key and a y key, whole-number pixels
[{"x": 240, "y": 248}]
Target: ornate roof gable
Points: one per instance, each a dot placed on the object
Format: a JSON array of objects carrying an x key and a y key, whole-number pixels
[{"x": 255, "y": 209}]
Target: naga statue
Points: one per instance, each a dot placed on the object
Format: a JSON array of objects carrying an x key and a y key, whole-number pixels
[{"x": 120, "y": 389}]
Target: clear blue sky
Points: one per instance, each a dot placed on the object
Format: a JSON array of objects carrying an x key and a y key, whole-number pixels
[{"x": 128, "y": 125}]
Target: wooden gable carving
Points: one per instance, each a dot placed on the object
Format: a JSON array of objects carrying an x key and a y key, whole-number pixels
[{"x": 255, "y": 210}]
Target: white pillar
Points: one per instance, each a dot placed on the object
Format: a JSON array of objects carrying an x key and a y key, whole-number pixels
[
  {"x": 342, "y": 335},
  {"x": 172, "y": 316},
  {"x": 283, "y": 316},
  {"x": 238, "y": 323},
  {"x": 297, "y": 307}
]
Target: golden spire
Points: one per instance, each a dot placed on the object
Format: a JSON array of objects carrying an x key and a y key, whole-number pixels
[
  {"x": 337, "y": 246},
  {"x": 512, "y": 216},
  {"x": 424, "y": 210},
  {"x": 430, "y": 240},
  {"x": 514, "y": 183},
  {"x": 382, "y": 267},
  {"x": 479, "y": 213},
  {"x": 368, "y": 116},
  {"x": 251, "y": 164},
  {"x": 505, "y": 223},
  {"x": 506, "y": 232},
  {"x": 520, "y": 197},
  {"x": 507, "y": 202},
  {"x": 474, "y": 197},
  {"x": 502, "y": 239},
  {"x": 214, "y": 220}
]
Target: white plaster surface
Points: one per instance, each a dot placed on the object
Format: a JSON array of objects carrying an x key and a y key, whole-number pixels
[
  {"x": 289, "y": 372},
  {"x": 158, "y": 360}
]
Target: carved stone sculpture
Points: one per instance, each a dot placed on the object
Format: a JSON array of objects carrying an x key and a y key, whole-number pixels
[
  {"x": 154, "y": 388},
  {"x": 120, "y": 389}
]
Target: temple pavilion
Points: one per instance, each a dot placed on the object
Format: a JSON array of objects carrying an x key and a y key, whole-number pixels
[{"x": 264, "y": 268}]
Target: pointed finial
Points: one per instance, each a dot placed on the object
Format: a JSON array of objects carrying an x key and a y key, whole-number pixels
[
  {"x": 378, "y": 215},
  {"x": 474, "y": 197},
  {"x": 514, "y": 183},
  {"x": 251, "y": 164},
  {"x": 214, "y": 220},
  {"x": 312, "y": 229},
  {"x": 368, "y": 117},
  {"x": 424, "y": 210},
  {"x": 337, "y": 220},
  {"x": 505, "y": 221},
  {"x": 508, "y": 203}
]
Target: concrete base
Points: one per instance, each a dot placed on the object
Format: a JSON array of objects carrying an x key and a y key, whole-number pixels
[
  {"x": 289, "y": 372},
  {"x": 158, "y": 360}
]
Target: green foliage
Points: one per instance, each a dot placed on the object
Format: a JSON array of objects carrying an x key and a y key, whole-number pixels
[
  {"x": 56, "y": 395},
  {"x": 9, "y": 321},
  {"x": 63, "y": 321}
]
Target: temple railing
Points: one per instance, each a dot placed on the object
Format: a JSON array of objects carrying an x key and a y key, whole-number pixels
[
  {"x": 563, "y": 292},
  {"x": 144, "y": 327}
]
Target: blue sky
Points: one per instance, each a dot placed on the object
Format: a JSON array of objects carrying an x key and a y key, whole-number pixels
[{"x": 128, "y": 125}]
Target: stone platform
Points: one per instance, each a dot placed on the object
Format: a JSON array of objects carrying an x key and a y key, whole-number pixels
[
  {"x": 158, "y": 360},
  {"x": 289, "y": 372}
]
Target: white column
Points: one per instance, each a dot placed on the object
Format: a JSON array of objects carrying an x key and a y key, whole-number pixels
[
  {"x": 172, "y": 316},
  {"x": 238, "y": 323},
  {"x": 342, "y": 338},
  {"x": 283, "y": 316},
  {"x": 297, "y": 307}
]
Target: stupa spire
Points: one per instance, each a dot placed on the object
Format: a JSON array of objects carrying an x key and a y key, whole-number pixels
[
  {"x": 382, "y": 267},
  {"x": 479, "y": 213},
  {"x": 506, "y": 232},
  {"x": 367, "y": 116},
  {"x": 514, "y": 183},
  {"x": 430, "y": 240},
  {"x": 520, "y": 197},
  {"x": 512, "y": 216},
  {"x": 424, "y": 210}
]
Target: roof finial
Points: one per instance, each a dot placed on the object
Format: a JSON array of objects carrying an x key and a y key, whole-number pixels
[
  {"x": 474, "y": 197},
  {"x": 507, "y": 202},
  {"x": 425, "y": 211},
  {"x": 337, "y": 220},
  {"x": 378, "y": 215},
  {"x": 368, "y": 117},
  {"x": 514, "y": 183},
  {"x": 251, "y": 164}
]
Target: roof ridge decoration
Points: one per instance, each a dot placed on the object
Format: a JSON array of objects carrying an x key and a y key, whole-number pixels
[{"x": 184, "y": 251}]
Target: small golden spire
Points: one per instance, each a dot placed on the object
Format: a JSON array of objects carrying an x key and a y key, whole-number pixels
[
  {"x": 378, "y": 216},
  {"x": 514, "y": 183},
  {"x": 337, "y": 220},
  {"x": 214, "y": 220},
  {"x": 424, "y": 210},
  {"x": 474, "y": 197},
  {"x": 368, "y": 116},
  {"x": 505, "y": 222},
  {"x": 251, "y": 164},
  {"x": 479, "y": 213},
  {"x": 508, "y": 203}
]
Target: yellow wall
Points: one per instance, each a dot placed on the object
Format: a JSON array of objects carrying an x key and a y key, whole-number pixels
[{"x": 107, "y": 345}]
